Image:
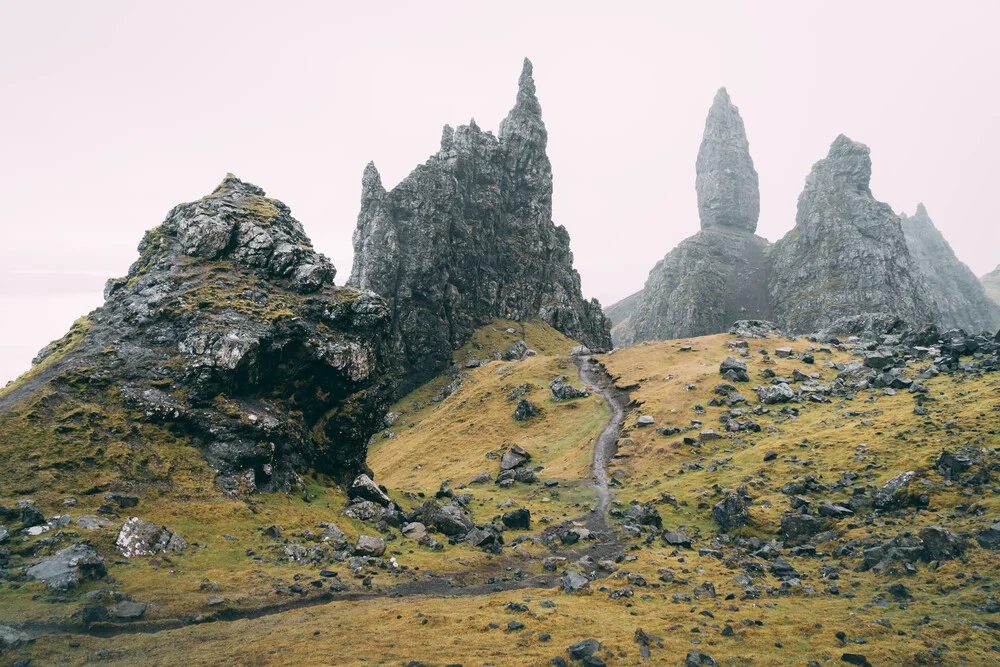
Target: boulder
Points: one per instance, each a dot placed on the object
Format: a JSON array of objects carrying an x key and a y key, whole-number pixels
[
  {"x": 525, "y": 410},
  {"x": 363, "y": 487},
  {"x": 369, "y": 546},
  {"x": 68, "y": 568},
  {"x": 894, "y": 493},
  {"x": 11, "y": 639},
  {"x": 519, "y": 519},
  {"x": 941, "y": 544},
  {"x": 143, "y": 538},
  {"x": 731, "y": 512},
  {"x": 775, "y": 393}
]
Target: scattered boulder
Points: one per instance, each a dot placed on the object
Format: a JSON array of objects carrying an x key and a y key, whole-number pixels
[
  {"x": 941, "y": 544},
  {"x": 68, "y": 568},
  {"x": 31, "y": 516},
  {"x": 93, "y": 522},
  {"x": 366, "y": 489},
  {"x": 583, "y": 649},
  {"x": 894, "y": 493},
  {"x": 516, "y": 351},
  {"x": 734, "y": 369},
  {"x": 414, "y": 530},
  {"x": 699, "y": 659},
  {"x": 519, "y": 519},
  {"x": 514, "y": 458},
  {"x": 128, "y": 610},
  {"x": 143, "y": 538},
  {"x": 123, "y": 501},
  {"x": 775, "y": 393},
  {"x": 732, "y": 511},
  {"x": 574, "y": 582},
  {"x": 797, "y": 528},
  {"x": 11, "y": 638},
  {"x": 525, "y": 410},
  {"x": 990, "y": 537},
  {"x": 369, "y": 546},
  {"x": 563, "y": 391}
]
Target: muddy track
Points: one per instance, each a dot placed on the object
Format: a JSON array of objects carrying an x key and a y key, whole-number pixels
[
  {"x": 597, "y": 378},
  {"x": 605, "y": 546}
]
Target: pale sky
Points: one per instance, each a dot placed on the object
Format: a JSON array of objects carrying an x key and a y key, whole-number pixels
[{"x": 113, "y": 112}]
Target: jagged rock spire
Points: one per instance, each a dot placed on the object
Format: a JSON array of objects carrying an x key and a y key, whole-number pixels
[
  {"x": 524, "y": 122},
  {"x": 848, "y": 164},
  {"x": 727, "y": 185},
  {"x": 371, "y": 183}
]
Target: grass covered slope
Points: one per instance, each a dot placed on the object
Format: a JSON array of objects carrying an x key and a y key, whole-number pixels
[{"x": 728, "y": 595}]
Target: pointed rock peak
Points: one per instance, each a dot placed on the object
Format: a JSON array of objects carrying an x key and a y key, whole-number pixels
[
  {"x": 473, "y": 125},
  {"x": 447, "y": 137},
  {"x": 721, "y": 97},
  {"x": 232, "y": 185},
  {"x": 371, "y": 182},
  {"x": 525, "y": 119},
  {"x": 727, "y": 183},
  {"x": 848, "y": 162},
  {"x": 921, "y": 211}
]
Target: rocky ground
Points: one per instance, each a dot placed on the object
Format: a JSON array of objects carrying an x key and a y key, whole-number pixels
[{"x": 773, "y": 501}]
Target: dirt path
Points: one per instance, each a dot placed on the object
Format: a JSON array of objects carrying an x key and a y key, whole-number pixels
[{"x": 597, "y": 378}]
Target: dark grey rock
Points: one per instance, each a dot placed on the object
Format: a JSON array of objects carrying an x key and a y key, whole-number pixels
[
  {"x": 369, "y": 546},
  {"x": 363, "y": 487},
  {"x": 519, "y": 519},
  {"x": 467, "y": 237},
  {"x": 770, "y": 394},
  {"x": 894, "y": 492},
  {"x": 726, "y": 181},
  {"x": 941, "y": 544},
  {"x": 583, "y": 649},
  {"x": 128, "y": 611},
  {"x": 525, "y": 410},
  {"x": 699, "y": 659},
  {"x": 731, "y": 512}
]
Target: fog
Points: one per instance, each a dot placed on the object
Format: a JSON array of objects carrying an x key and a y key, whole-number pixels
[{"x": 113, "y": 112}]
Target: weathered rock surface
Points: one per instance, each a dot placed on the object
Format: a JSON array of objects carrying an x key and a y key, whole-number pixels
[
  {"x": 956, "y": 294},
  {"x": 991, "y": 283},
  {"x": 68, "y": 568},
  {"x": 143, "y": 538},
  {"x": 726, "y": 181},
  {"x": 468, "y": 237},
  {"x": 847, "y": 254},
  {"x": 720, "y": 274},
  {"x": 229, "y": 329}
]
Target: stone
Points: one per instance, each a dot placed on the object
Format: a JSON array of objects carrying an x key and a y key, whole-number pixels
[
  {"x": 369, "y": 546},
  {"x": 516, "y": 351},
  {"x": 953, "y": 290},
  {"x": 941, "y": 544},
  {"x": 770, "y": 394},
  {"x": 583, "y": 649},
  {"x": 990, "y": 537},
  {"x": 128, "y": 611},
  {"x": 676, "y": 539},
  {"x": 30, "y": 516},
  {"x": 68, "y": 568},
  {"x": 731, "y": 512},
  {"x": 511, "y": 460},
  {"x": 574, "y": 582},
  {"x": 93, "y": 522},
  {"x": 414, "y": 530},
  {"x": 894, "y": 492},
  {"x": 468, "y": 237},
  {"x": 846, "y": 254},
  {"x": 563, "y": 391},
  {"x": 856, "y": 659},
  {"x": 645, "y": 420},
  {"x": 363, "y": 487},
  {"x": 124, "y": 501},
  {"x": 4, "y": 534},
  {"x": 699, "y": 659},
  {"x": 11, "y": 639},
  {"x": 525, "y": 410},
  {"x": 142, "y": 538},
  {"x": 519, "y": 519},
  {"x": 332, "y": 532},
  {"x": 726, "y": 181},
  {"x": 481, "y": 478},
  {"x": 799, "y": 527}
]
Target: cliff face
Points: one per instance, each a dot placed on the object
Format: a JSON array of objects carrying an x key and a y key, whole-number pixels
[
  {"x": 228, "y": 330},
  {"x": 956, "y": 294},
  {"x": 991, "y": 283},
  {"x": 846, "y": 254},
  {"x": 468, "y": 237},
  {"x": 720, "y": 274}
]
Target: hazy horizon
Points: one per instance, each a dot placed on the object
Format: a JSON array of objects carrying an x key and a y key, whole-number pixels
[{"x": 116, "y": 112}]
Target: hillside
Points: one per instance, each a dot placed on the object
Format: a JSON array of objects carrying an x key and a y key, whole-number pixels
[{"x": 659, "y": 575}]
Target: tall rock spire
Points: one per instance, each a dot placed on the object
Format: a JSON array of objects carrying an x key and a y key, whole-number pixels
[
  {"x": 375, "y": 237},
  {"x": 728, "y": 190}
]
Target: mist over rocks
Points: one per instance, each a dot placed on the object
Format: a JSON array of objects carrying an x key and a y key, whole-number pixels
[
  {"x": 991, "y": 283},
  {"x": 229, "y": 331},
  {"x": 846, "y": 254},
  {"x": 958, "y": 297},
  {"x": 720, "y": 274},
  {"x": 467, "y": 237}
]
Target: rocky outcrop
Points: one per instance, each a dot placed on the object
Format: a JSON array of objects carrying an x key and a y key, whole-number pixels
[
  {"x": 720, "y": 274},
  {"x": 991, "y": 283},
  {"x": 953, "y": 290},
  {"x": 468, "y": 237},
  {"x": 846, "y": 254},
  {"x": 228, "y": 331}
]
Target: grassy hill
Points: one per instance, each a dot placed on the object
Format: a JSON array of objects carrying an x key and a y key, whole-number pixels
[{"x": 721, "y": 596}]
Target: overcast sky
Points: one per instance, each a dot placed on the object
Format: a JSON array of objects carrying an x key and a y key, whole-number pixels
[{"x": 113, "y": 112}]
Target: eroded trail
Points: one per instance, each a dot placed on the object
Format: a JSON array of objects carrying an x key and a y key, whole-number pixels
[{"x": 593, "y": 374}]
